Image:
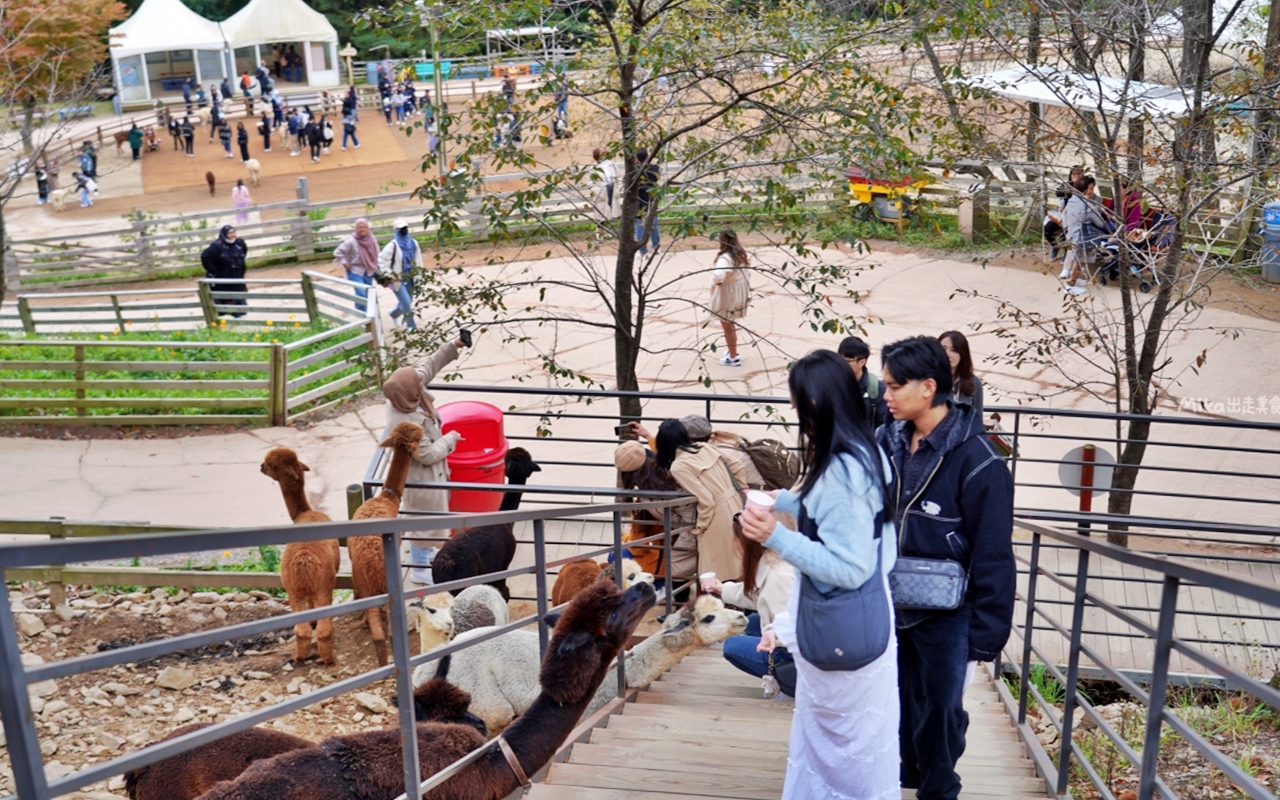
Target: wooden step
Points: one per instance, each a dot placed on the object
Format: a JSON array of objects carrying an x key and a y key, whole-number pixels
[
  {"x": 720, "y": 786},
  {"x": 685, "y": 752},
  {"x": 746, "y": 764},
  {"x": 748, "y": 692},
  {"x": 542, "y": 791},
  {"x": 642, "y": 737}
]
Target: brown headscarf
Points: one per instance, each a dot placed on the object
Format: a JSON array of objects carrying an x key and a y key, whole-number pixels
[{"x": 405, "y": 391}]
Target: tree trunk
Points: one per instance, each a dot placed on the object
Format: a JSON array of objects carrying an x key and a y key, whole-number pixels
[
  {"x": 28, "y": 119},
  {"x": 4, "y": 255},
  {"x": 626, "y": 319},
  {"x": 1264, "y": 138},
  {"x": 1033, "y": 60},
  {"x": 1137, "y": 72}
]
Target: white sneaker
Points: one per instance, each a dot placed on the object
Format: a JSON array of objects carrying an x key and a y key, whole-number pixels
[
  {"x": 727, "y": 360},
  {"x": 1076, "y": 290},
  {"x": 1066, "y": 273}
]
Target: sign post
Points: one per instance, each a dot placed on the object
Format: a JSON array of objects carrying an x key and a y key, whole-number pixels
[{"x": 1085, "y": 472}]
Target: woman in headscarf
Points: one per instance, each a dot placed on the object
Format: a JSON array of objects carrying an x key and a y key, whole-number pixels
[
  {"x": 358, "y": 255},
  {"x": 408, "y": 400},
  {"x": 225, "y": 259},
  {"x": 396, "y": 263}
]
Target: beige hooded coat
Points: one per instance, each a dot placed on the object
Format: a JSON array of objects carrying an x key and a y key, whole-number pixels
[
  {"x": 429, "y": 464},
  {"x": 706, "y": 476}
]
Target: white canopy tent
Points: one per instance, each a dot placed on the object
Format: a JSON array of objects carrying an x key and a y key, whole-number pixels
[
  {"x": 1066, "y": 89},
  {"x": 285, "y": 24},
  {"x": 514, "y": 37},
  {"x": 162, "y": 43}
]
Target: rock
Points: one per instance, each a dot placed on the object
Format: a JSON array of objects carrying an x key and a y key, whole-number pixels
[
  {"x": 138, "y": 739},
  {"x": 159, "y": 594},
  {"x": 258, "y": 676},
  {"x": 116, "y": 783},
  {"x": 30, "y": 625},
  {"x": 175, "y": 678},
  {"x": 241, "y": 597},
  {"x": 294, "y": 686},
  {"x": 56, "y": 769},
  {"x": 259, "y": 595},
  {"x": 53, "y": 707},
  {"x": 219, "y": 613},
  {"x": 108, "y": 740},
  {"x": 121, "y": 689},
  {"x": 48, "y": 747},
  {"x": 165, "y": 610},
  {"x": 43, "y": 688},
  {"x": 372, "y": 702},
  {"x": 37, "y": 704},
  {"x": 93, "y": 693},
  {"x": 64, "y": 613},
  {"x": 205, "y": 598},
  {"x": 183, "y": 716},
  {"x": 103, "y": 600},
  {"x": 196, "y": 618}
]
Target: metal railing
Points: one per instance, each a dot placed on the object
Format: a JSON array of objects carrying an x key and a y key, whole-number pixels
[
  {"x": 1027, "y": 645},
  {"x": 15, "y": 677}
]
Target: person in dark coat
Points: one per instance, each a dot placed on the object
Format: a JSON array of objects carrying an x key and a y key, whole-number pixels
[
  {"x": 135, "y": 142},
  {"x": 189, "y": 136},
  {"x": 242, "y": 139},
  {"x": 225, "y": 259},
  {"x": 42, "y": 185},
  {"x": 315, "y": 138},
  {"x": 224, "y": 136},
  {"x": 186, "y": 94},
  {"x": 264, "y": 128}
]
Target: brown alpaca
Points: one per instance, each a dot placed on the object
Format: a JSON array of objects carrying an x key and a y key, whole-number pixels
[
  {"x": 212, "y": 180},
  {"x": 368, "y": 766},
  {"x": 578, "y": 575},
  {"x": 368, "y": 566},
  {"x": 189, "y": 775},
  {"x": 308, "y": 570}
]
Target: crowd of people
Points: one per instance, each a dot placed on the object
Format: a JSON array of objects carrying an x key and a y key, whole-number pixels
[{"x": 895, "y": 465}]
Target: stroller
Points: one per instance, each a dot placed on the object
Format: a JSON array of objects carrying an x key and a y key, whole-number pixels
[{"x": 1144, "y": 252}]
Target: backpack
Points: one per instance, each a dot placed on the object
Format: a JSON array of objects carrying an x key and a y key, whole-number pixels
[
  {"x": 873, "y": 387},
  {"x": 777, "y": 465}
]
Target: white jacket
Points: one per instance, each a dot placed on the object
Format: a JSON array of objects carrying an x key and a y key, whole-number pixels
[{"x": 391, "y": 261}]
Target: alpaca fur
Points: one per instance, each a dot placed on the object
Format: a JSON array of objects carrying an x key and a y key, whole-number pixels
[
  {"x": 489, "y": 548},
  {"x": 501, "y": 674},
  {"x": 212, "y": 180},
  {"x": 368, "y": 766},
  {"x": 435, "y": 620},
  {"x": 478, "y": 607},
  {"x": 190, "y": 774},
  {"x": 255, "y": 170},
  {"x": 578, "y": 575},
  {"x": 368, "y": 566},
  {"x": 58, "y": 197},
  {"x": 308, "y": 570},
  {"x": 121, "y": 137}
]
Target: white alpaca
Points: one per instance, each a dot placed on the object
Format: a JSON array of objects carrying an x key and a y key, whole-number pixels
[
  {"x": 58, "y": 199},
  {"x": 478, "y": 607},
  {"x": 435, "y": 620},
  {"x": 255, "y": 170},
  {"x": 502, "y": 674}
]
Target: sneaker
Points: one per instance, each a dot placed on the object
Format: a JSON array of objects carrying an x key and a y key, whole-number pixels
[
  {"x": 727, "y": 360},
  {"x": 1066, "y": 273},
  {"x": 421, "y": 576},
  {"x": 1076, "y": 290}
]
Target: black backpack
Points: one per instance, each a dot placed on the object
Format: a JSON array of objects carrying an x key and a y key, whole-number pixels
[{"x": 779, "y": 466}]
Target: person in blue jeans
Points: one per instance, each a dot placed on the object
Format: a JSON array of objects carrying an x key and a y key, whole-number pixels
[
  {"x": 648, "y": 180},
  {"x": 396, "y": 263},
  {"x": 349, "y": 130},
  {"x": 358, "y": 255},
  {"x": 765, "y": 588}
]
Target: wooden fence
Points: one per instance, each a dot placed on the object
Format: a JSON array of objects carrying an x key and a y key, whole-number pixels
[{"x": 200, "y": 382}]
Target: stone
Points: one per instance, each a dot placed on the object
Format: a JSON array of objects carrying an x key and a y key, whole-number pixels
[
  {"x": 53, "y": 707},
  {"x": 48, "y": 747},
  {"x": 56, "y": 769},
  {"x": 159, "y": 594},
  {"x": 219, "y": 613},
  {"x": 108, "y": 740},
  {"x": 138, "y": 739},
  {"x": 64, "y": 613},
  {"x": 103, "y": 600},
  {"x": 259, "y": 595},
  {"x": 241, "y": 597},
  {"x": 116, "y": 783},
  {"x": 37, "y": 704},
  {"x": 93, "y": 693},
  {"x": 205, "y": 598},
  {"x": 121, "y": 689},
  {"x": 30, "y": 625},
  {"x": 183, "y": 715},
  {"x": 258, "y": 675},
  {"x": 372, "y": 702},
  {"x": 43, "y": 688},
  {"x": 175, "y": 678}
]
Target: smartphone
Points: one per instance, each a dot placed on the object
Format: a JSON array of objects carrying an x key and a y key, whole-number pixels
[
  {"x": 622, "y": 430},
  {"x": 465, "y": 336}
]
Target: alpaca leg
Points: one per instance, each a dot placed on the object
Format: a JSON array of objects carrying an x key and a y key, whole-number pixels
[
  {"x": 324, "y": 631},
  {"x": 374, "y": 617},
  {"x": 301, "y": 631}
]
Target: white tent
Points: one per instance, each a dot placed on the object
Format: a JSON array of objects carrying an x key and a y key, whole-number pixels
[
  {"x": 254, "y": 29},
  {"x": 162, "y": 43},
  {"x": 1067, "y": 89}
]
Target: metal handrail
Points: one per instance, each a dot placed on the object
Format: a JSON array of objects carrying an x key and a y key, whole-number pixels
[{"x": 15, "y": 677}]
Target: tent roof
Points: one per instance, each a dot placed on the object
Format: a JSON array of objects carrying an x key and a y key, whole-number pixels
[
  {"x": 1067, "y": 89},
  {"x": 164, "y": 25},
  {"x": 516, "y": 33},
  {"x": 272, "y": 21}
]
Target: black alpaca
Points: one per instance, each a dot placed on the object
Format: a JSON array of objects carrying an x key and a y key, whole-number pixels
[{"x": 489, "y": 548}]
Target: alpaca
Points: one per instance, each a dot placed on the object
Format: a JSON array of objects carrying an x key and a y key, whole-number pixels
[
  {"x": 58, "y": 197},
  {"x": 191, "y": 774},
  {"x": 368, "y": 565},
  {"x": 308, "y": 570},
  {"x": 479, "y": 607},
  {"x": 501, "y": 674},
  {"x": 369, "y": 766},
  {"x": 435, "y": 620},
  {"x": 255, "y": 170},
  {"x": 578, "y": 575},
  {"x": 489, "y": 548},
  {"x": 212, "y": 180},
  {"x": 121, "y": 137}
]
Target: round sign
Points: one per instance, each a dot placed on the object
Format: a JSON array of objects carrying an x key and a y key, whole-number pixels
[{"x": 1103, "y": 466}]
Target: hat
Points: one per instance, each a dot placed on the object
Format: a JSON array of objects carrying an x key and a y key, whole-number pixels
[
  {"x": 698, "y": 427},
  {"x": 629, "y": 456},
  {"x": 400, "y": 223}
]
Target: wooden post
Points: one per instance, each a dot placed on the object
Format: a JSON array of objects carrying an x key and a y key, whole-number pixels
[
  {"x": 302, "y": 234},
  {"x": 24, "y": 311},
  {"x": 80, "y": 410},
  {"x": 309, "y": 297},
  {"x": 57, "y": 589},
  {"x": 376, "y": 350},
  {"x": 277, "y": 391},
  {"x": 115, "y": 304},
  {"x": 142, "y": 245},
  {"x": 206, "y": 304},
  {"x": 473, "y": 91}
]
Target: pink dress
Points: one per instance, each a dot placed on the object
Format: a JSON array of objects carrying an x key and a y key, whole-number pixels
[{"x": 240, "y": 195}]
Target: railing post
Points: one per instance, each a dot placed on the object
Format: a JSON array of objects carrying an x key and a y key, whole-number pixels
[
  {"x": 58, "y": 588},
  {"x": 375, "y": 348},
  {"x": 1073, "y": 670},
  {"x": 1013, "y": 457},
  {"x": 205, "y": 291},
  {"x": 404, "y": 672},
  {"x": 309, "y": 297},
  {"x": 16, "y": 716},
  {"x": 24, "y": 311},
  {"x": 79, "y": 376},
  {"x": 355, "y": 499},
  {"x": 142, "y": 246},
  {"x": 277, "y": 386},
  {"x": 1159, "y": 684},
  {"x": 540, "y": 579},
  {"x": 1024, "y": 679},
  {"x": 666, "y": 555},
  {"x": 115, "y": 306},
  {"x": 617, "y": 581}
]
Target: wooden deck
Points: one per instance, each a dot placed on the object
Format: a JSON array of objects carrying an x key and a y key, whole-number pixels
[{"x": 703, "y": 730}]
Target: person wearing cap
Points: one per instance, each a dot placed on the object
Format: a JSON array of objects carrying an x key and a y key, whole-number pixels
[
  {"x": 729, "y": 444},
  {"x": 638, "y": 469},
  {"x": 395, "y": 266}
]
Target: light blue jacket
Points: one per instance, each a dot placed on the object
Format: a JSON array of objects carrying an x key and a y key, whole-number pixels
[{"x": 844, "y": 503}]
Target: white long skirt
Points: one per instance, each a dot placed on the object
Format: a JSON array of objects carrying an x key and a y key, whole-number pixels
[{"x": 844, "y": 734}]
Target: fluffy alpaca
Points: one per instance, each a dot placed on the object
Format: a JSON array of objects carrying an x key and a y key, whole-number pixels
[
  {"x": 502, "y": 674},
  {"x": 58, "y": 197},
  {"x": 435, "y": 620},
  {"x": 212, "y": 180},
  {"x": 121, "y": 137},
  {"x": 489, "y": 548},
  {"x": 368, "y": 566},
  {"x": 255, "y": 170},
  {"x": 578, "y": 575},
  {"x": 369, "y": 766},
  {"x": 308, "y": 570},
  {"x": 479, "y": 607},
  {"x": 191, "y": 774}
]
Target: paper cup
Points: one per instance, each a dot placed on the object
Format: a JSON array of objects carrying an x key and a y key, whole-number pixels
[{"x": 760, "y": 500}]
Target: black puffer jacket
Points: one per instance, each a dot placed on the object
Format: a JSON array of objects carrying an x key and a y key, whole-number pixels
[
  {"x": 224, "y": 259},
  {"x": 959, "y": 506}
]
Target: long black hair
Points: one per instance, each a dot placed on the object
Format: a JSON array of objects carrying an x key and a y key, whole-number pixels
[
  {"x": 833, "y": 419},
  {"x": 963, "y": 376},
  {"x": 672, "y": 435}
]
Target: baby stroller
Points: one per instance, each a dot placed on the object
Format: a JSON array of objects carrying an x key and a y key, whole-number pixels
[{"x": 1145, "y": 250}]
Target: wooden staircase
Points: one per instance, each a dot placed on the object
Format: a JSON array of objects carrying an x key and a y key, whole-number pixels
[{"x": 704, "y": 730}]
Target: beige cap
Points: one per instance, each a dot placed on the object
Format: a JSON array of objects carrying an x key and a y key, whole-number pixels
[
  {"x": 400, "y": 223},
  {"x": 697, "y": 426},
  {"x": 629, "y": 456}
]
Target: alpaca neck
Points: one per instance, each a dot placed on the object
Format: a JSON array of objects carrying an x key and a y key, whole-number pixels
[
  {"x": 511, "y": 500},
  {"x": 295, "y": 499},
  {"x": 398, "y": 471},
  {"x": 535, "y": 737},
  {"x": 645, "y": 664}
]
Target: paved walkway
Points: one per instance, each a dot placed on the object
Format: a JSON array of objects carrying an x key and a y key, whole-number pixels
[{"x": 703, "y": 730}]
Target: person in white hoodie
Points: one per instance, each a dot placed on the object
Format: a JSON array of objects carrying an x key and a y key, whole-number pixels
[{"x": 765, "y": 587}]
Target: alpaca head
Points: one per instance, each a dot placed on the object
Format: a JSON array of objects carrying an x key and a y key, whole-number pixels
[
  {"x": 282, "y": 464},
  {"x": 588, "y": 636},
  {"x": 437, "y": 700},
  {"x": 631, "y": 574},
  {"x": 404, "y": 436},
  {"x": 520, "y": 465},
  {"x": 435, "y": 624},
  {"x": 703, "y": 621}
]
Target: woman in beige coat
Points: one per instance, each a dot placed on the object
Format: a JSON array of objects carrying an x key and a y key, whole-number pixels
[
  {"x": 409, "y": 401},
  {"x": 703, "y": 472}
]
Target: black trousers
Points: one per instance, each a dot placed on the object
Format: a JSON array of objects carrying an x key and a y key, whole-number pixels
[
  {"x": 932, "y": 658},
  {"x": 244, "y": 151},
  {"x": 315, "y": 150},
  {"x": 137, "y": 152},
  {"x": 191, "y": 144}
]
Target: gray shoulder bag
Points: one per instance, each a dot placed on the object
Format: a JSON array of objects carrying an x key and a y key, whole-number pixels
[{"x": 927, "y": 584}]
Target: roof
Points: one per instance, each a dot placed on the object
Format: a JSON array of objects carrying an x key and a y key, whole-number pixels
[
  {"x": 164, "y": 25},
  {"x": 274, "y": 21},
  {"x": 516, "y": 33},
  {"x": 1082, "y": 92}
]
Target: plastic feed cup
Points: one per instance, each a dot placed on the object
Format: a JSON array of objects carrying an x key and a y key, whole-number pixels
[{"x": 760, "y": 500}]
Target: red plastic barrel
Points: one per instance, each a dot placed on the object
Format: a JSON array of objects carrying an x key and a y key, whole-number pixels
[{"x": 481, "y": 455}]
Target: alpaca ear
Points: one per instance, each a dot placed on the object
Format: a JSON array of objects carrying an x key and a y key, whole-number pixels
[
  {"x": 551, "y": 619},
  {"x": 305, "y": 468},
  {"x": 572, "y": 644},
  {"x": 386, "y": 443}
]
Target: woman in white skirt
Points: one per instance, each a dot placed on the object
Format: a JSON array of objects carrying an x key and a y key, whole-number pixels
[
  {"x": 844, "y": 734},
  {"x": 730, "y": 293}
]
